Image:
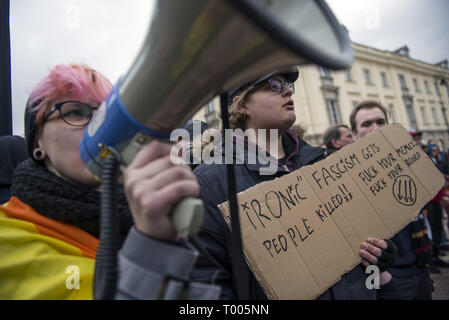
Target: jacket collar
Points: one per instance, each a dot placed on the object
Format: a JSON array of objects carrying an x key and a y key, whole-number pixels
[
  {"x": 294, "y": 147},
  {"x": 308, "y": 154}
]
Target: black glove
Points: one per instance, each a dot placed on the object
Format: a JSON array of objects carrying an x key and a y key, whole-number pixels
[{"x": 388, "y": 256}]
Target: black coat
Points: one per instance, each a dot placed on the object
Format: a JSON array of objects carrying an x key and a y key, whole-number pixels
[
  {"x": 214, "y": 264},
  {"x": 13, "y": 151}
]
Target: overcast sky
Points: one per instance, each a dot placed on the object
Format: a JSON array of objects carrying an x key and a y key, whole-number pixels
[
  {"x": 107, "y": 34},
  {"x": 104, "y": 34},
  {"x": 422, "y": 25}
]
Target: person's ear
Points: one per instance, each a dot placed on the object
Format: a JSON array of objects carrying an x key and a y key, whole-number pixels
[
  {"x": 335, "y": 143},
  {"x": 243, "y": 109}
]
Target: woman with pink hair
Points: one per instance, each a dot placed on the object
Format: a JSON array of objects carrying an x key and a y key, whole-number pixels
[{"x": 49, "y": 228}]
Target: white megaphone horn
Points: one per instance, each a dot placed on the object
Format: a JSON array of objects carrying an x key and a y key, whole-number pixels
[{"x": 195, "y": 50}]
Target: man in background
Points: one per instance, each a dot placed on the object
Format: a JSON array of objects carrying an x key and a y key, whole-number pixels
[
  {"x": 336, "y": 137},
  {"x": 408, "y": 278}
]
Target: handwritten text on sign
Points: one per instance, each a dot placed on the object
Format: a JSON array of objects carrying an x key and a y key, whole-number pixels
[{"x": 301, "y": 232}]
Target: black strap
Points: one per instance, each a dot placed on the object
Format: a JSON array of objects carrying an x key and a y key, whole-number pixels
[{"x": 239, "y": 270}]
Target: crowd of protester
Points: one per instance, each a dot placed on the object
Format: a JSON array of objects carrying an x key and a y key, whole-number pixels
[
  {"x": 337, "y": 136},
  {"x": 52, "y": 218},
  {"x": 423, "y": 242}
]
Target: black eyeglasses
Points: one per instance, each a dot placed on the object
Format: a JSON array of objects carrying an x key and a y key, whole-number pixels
[
  {"x": 276, "y": 85},
  {"x": 74, "y": 113}
]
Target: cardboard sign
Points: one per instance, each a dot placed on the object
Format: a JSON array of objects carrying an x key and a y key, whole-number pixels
[{"x": 303, "y": 231}]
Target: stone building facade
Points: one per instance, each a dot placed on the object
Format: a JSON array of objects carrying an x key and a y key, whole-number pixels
[{"x": 415, "y": 93}]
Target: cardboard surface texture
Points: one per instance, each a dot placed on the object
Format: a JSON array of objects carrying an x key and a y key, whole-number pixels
[{"x": 303, "y": 231}]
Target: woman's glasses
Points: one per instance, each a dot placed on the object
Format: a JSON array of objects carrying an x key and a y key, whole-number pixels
[
  {"x": 74, "y": 113},
  {"x": 276, "y": 85}
]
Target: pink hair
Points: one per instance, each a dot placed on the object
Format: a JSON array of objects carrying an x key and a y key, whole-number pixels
[{"x": 80, "y": 81}]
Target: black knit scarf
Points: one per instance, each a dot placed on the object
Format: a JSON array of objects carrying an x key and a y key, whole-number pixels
[{"x": 62, "y": 200}]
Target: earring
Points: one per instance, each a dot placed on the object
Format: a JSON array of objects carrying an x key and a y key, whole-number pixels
[{"x": 38, "y": 154}]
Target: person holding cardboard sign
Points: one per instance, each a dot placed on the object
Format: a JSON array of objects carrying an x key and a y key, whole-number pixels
[
  {"x": 409, "y": 277},
  {"x": 265, "y": 104}
]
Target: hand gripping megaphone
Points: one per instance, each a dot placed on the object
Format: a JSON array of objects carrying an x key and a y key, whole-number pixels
[{"x": 195, "y": 50}]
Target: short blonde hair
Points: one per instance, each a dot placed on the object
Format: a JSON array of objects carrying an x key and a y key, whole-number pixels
[{"x": 237, "y": 120}]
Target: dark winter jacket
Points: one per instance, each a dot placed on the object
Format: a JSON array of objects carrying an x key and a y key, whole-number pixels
[
  {"x": 13, "y": 151},
  {"x": 214, "y": 264}
]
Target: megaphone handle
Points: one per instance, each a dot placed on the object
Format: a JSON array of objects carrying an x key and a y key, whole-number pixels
[{"x": 187, "y": 216}]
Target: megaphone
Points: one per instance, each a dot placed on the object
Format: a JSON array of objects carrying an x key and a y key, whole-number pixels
[{"x": 195, "y": 50}]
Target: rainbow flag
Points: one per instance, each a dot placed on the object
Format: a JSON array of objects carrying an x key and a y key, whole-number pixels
[{"x": 42, "y": 258}]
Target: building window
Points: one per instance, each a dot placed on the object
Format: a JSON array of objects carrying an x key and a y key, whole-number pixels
[
  {"x": 434, "y": 116},
  {"x": 348, "y": 75},
  {"x": 367, "y": 76},
  {"x": 384, "y": 79},
  {"x": 415, "y": 83},
  {"x": 402, "y": 82},
  {"x": 392, "y": 113},
  {"x": 411, "y": 116},
  {"x": 325, "y": 73},
  {"x": 210, "y": 107},
  {"x": 426, "y": 85},
  {"x": 424, "y": 116},
  {"x": 333, "y": 111},
  {"x": 437, "y": 89},
  {"x": 443, "y": 110}
]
